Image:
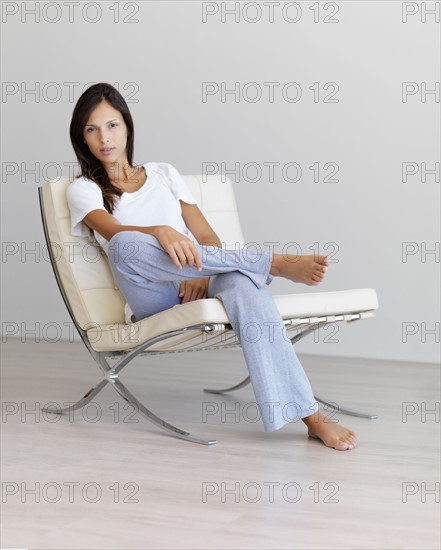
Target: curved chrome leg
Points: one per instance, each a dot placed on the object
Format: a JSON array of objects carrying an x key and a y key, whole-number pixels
[
  {"x": 247, "y": 380},
  {"x": 83, "y": 401},
  {"x": 130, "y": 398},
  {"x": 344, "y": 410},
  {"x": 237, "y": 387},
  {"x": 323, "y": 400}
]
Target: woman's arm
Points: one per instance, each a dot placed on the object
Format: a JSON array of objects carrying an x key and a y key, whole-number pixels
[
  {"x": 198, "y": 225},
  {"x": 107, "y": 225},
  {"x": 179, "y": 247},
  {"x": 197, "y": 289}
]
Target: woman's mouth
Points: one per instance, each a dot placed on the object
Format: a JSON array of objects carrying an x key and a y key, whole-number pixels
[{"x": 107, "y": 150}]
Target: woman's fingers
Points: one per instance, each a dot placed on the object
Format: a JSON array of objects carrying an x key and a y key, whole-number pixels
[
  {"x": 174, "y": 257},
  {"x": 177, "y": 255},
  {"x": 183, "y": 254},
  {"x": 194, "y": 296},
  {"x": 180, "y": 248},
  {"x": 189, "y": 295},
  {"x": 196, "y": 256},
  {"x": 192, "y": 290},
  {"x": 188, "y": 253}
]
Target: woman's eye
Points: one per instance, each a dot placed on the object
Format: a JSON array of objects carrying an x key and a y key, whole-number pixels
[
  {"x": 88, "y": 130},
  {"x": 114, "y": 124}
]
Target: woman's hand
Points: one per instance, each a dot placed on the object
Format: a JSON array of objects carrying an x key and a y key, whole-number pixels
[
  {"x": 194, "y": 289},
  {"x": 179, "y": 247}
]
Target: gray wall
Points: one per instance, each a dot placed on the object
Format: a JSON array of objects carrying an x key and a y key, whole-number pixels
[{"x": 379, "y": 226}]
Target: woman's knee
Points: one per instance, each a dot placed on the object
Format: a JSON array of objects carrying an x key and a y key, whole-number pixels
[
  {"x": 233, "y": 282},
  {"x": 125, "y": 246}
]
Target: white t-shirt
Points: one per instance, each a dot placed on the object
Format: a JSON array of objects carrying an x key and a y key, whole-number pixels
[{"x": 155, "y": 203}]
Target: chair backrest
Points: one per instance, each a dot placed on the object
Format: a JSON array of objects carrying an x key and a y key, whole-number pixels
[{"x": 82, "y": 268}]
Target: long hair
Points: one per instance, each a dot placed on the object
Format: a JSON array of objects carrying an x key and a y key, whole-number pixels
[{"x": 90, "y": 166}]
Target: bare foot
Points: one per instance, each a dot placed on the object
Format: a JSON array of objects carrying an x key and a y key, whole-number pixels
[
  {"x": 308, "y": 269},
  {"x": 332, "y": 434}
]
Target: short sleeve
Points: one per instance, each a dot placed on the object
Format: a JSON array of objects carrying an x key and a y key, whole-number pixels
[
  {"x": 177, "y": 185},
  {"x": 83, "y": 196}
]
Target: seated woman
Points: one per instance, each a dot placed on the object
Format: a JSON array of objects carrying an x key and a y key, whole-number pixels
[{"x": 144, "y": 217}]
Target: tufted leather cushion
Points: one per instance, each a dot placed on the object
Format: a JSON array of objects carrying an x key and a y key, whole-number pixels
[{"x": 212, "y": 311}]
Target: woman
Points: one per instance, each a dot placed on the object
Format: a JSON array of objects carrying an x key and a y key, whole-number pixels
[{"x": 144, "y": 216}]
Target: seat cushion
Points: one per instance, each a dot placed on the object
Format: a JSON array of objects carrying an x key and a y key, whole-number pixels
[{"x": 119, "y": 337}]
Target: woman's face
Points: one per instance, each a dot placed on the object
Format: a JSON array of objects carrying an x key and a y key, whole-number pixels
[{"x": 106, "y": 134}]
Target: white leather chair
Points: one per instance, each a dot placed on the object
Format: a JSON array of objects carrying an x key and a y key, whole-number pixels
[{"x": 98, "y": 309}]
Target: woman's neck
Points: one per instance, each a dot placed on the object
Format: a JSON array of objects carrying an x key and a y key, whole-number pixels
[{"x": 121, "y": 173}]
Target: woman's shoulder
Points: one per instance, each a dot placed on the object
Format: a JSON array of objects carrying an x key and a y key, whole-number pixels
[
  {"x": 165, "y": 170},
  {"x": 168, "y": 174},
  {"x": 82, "y": 180},
  {"x": 83, "y": 184}
]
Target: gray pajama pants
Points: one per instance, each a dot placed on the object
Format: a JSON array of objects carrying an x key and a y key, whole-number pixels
[{"x": 149, "y": 280}]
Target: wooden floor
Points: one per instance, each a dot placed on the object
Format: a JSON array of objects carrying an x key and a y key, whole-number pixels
[{"x": 108, "y": 479}]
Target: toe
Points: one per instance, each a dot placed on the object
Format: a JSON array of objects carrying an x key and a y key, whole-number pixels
[{"x": 348, "y": 445}]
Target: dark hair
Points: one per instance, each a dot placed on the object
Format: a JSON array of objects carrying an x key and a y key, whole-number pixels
[{"x": 90, "y": 166}]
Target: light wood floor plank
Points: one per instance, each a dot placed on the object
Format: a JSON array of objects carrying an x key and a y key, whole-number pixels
[{"x": 345, "y": 500}]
